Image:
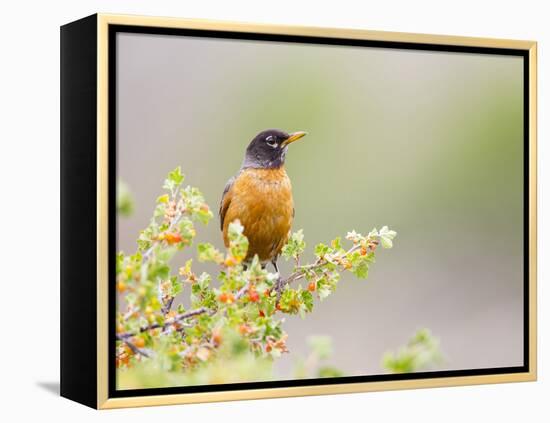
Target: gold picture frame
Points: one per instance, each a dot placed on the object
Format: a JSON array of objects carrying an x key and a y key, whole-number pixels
[{"x": 98, "y": 26}]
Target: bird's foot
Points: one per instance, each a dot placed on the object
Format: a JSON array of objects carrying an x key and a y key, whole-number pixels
[
  {"x": 279, "y": 287},
  {"x": 280, "y": 283}
]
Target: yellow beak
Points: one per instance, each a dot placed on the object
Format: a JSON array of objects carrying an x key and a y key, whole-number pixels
[{"x": 295, "y": 136}]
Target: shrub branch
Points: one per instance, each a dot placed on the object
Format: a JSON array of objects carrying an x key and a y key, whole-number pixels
[{"x": 241, "y": 307}]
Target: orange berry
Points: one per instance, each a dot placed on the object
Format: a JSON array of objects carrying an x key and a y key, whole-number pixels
[
  {"x": 121, "y": 286},
  {"x": 138, "y": 342},
  {"x": 261, "y": 313},
  {"x": 311, "y": 287},
  {"x": 217, "y": 337},
  {"x": 123, "y": 359},
  {"x": 172, "y": 238},
  {"x": 226, "y": 297},
  {"x": 244, "y": 329}
]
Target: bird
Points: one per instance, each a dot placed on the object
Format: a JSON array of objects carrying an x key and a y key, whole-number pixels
[{"x": 260, "y": 196}]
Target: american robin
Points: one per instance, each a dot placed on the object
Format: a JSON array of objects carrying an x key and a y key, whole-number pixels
[{"x": 260, "y": 196}]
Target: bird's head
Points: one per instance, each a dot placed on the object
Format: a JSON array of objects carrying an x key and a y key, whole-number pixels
[{"x": 268, "y": 148}]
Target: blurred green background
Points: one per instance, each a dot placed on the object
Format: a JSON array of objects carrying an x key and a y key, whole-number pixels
[{"x": 428, "y": 143}]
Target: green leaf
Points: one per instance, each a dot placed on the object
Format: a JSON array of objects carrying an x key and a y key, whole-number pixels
[
  {"x": 386, "y": 236},
  {"x": 420, "y": 353},
  {"x": 361, "y": 268},
  {"x": 330, "y": 371},
  {"x": 176, "y": 176},
  {"x": 124, "y": 199},
  {"x": 203, "y": 280},
  {"x": 323, "y": 292},
  {"x": 321, "y": 346},
  {"x": 238, "y": 243},
  {"x": 165, "y": 254},
  {"x": 353, "y": 236},
  {"x": 169, "y": 185},
  {"x": 207, "y": 252},
  {"x": 204, "y": 215},
  {"x": 160, "y": 209},
  {"x": 295, "y": 245},
  {"x": 321, "y": 249},
  {"x": 326, "y": 284},
  {"x": 163, "y": 198},
  {"x": 307, "y": 299},
  {"x": 177, "y": 286}
]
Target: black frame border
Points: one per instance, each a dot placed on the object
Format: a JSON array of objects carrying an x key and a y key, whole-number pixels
[{"x": 113, "y": 30}]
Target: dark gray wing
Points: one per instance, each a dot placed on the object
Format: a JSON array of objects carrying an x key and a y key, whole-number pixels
[{"x": 226, "y": 200}]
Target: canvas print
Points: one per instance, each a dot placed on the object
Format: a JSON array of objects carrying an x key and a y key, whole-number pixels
[{"x": 291, "y": 211}]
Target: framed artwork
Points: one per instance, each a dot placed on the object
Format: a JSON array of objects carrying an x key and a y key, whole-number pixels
[{"x": 255, "y": 211}]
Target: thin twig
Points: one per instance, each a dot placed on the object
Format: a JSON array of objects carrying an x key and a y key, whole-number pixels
[
  {"x": 297, "y": 275},
  {"x": 302, "y": 271},
  {"x": 167, "y": 305},
  {"x": 132, "y": 346},
  {"x": 167, "y": 323},
  {"x": 147, "y": 255},
  {"x": 242, "y": 291}
]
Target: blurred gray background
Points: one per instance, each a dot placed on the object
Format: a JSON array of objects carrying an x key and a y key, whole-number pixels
[{"x": 428, "y": 143}]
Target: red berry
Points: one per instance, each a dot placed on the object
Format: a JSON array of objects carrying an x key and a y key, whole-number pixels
[
  {"x": 172, "y": 238},
  {"x": 253, "y": 295}
]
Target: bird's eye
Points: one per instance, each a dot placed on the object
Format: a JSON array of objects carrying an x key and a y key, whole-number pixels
[{"x": 272, "y": 143}]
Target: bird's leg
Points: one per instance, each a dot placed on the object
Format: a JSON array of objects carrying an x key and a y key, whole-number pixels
[{"x": 279, "y": 285}]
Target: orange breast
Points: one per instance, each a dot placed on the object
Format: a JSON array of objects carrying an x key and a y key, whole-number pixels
[{"x": 262, "y": 200}]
